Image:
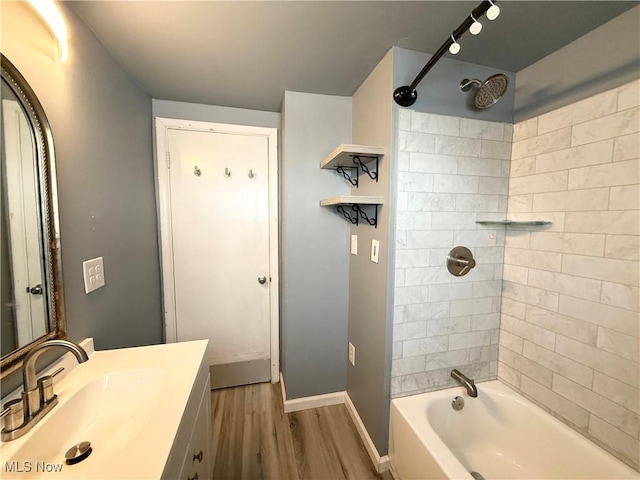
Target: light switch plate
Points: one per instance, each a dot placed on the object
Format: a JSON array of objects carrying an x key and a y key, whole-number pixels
[
  {"x": 375, "y": 250},
  {"x": 354, "y": 244},
  {"x": 93, "y": 271},
  {"x": 352, "y": 354}
]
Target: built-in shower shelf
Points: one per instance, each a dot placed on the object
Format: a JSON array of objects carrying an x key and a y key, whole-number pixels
[
  {"x": 353, "y": 207},
  {"x": 522, "y": 223},
  {"x": 348, "y": 157}
]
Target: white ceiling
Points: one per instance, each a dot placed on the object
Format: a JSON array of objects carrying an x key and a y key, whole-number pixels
[{"x": 246, "y": 54}]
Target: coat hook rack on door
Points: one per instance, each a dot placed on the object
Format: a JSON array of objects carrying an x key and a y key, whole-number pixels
[
  {"x": 196, "y": 171},
  {"x": 227, "y": 173}
]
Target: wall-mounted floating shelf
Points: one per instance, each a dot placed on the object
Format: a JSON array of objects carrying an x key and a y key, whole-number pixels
[
  {"x": 356, "y": 202},
  {"x": 522, "y": 223},
  {"x": 347, "y": 157}
]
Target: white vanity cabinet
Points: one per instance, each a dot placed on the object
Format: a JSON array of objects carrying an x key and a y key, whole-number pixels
[{"x": 190, "y": 454}]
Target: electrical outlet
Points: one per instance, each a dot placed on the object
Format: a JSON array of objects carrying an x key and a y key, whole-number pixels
[
  {"x": 375, "y": 250},
  {"x": 93, "y": 271},
  {"x": 352, "y": 354},
  {"x": 354, "y": 244}
]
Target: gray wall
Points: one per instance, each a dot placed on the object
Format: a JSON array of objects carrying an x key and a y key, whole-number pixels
[
  {"x": 370, "y": 312},
  {"x": 212, "y": 113},
  {"x": 101, "y": 123},
  {"x": 314, "y": 246},
  {"x": 604, "y": 58},
  {"x": 439, "y": 91}
]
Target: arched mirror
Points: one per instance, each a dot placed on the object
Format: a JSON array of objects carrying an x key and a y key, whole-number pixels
[{"x": 32, "y": 305}]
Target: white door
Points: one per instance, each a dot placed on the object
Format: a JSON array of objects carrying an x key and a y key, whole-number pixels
[
  {"x": 24, "y": 224},
  {"x": 220, "y": 235}
]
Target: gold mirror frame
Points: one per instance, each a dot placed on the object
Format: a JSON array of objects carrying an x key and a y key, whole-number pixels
[{"x": 45, "y": 162}]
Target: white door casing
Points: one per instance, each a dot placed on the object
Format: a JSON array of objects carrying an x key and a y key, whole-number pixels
[{"x": 219, "y": 224}]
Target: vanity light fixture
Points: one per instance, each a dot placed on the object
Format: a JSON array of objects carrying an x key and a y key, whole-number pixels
[
  {"x": 493, "y": 11},
  {"x": 454, "y": 48},
  {"x": 50, "y": 13},
  {"x": 476, "y": 26}
]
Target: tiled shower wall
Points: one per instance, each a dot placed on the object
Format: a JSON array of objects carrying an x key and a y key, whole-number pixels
[
  {"x": 452, "y": 172},
  {"x": 569, "y": 324}
]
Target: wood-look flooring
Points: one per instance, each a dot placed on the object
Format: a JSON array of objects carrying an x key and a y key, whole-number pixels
[{"x": 254, "y": 439}]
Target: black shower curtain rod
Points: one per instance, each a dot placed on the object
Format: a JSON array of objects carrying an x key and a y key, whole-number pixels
[{"x": 407, "y": 95}]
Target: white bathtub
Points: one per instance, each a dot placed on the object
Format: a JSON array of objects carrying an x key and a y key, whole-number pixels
[{"x": 499, "y": 434}]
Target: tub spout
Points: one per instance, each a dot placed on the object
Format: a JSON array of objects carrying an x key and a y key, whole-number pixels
[{"x": 466, "y": 382}]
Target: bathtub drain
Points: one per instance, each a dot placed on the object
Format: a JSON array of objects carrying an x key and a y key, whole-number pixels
[{"x": 477, "y": 476}]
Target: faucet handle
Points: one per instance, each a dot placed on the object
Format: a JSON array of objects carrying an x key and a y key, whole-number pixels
[
  {"x": 12, "y": 413},
  {"x": 45, "y": 386}
]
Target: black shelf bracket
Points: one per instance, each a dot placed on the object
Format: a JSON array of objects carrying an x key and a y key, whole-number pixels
[
  {"x": 358, "y": 213},
  {"x": 348, "y": 176},
  {"x": 373, "y": 174}
]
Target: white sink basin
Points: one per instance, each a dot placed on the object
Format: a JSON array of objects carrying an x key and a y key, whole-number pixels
[{"x": 128, "y": 403}]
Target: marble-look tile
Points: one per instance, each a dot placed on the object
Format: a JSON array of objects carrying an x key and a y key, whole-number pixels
[
  {"x": 513, "y": 308},
  {"x": 477, "y": 203},
  {"x": 427, "y": 276},
  {"x": 435, "y": 124},
  {"x": 430, "y": 239},
  {"x": 485, "y": 255},
  {"x": 626, "y": 147},
  {"x": 419, "y": 257},
  {"x": 618, "y": 173},
  {"x": 411, "y": 295},
  {"x": 455, "y": 183},
  {"x": 416, "y": 142},
  {"x": 549, "y": 261},
  {"x": 557, "y": 220},
  {"x": 608, "y": 316},
  {"x": 493, "y": 185},
  {"x": 508, "y": 133},
  {"x": 520, "y": 203},
  {"x": 531, "y": 296},
  {"x": 486, "y": 321},
  {"x": 447, "y": 326},
  {"x": 523, "y": 167},
  {"x": 509, "y": 375},
  {"x": 423, "y": 346},
  {"x": 459, "y": 341},
  {"x": 485, "y": 353},
  {"x": 413, "y": 220},
  {"x": 487, "y": 288},
  {"x": 526, "y": 367},
  {"x": 403, "y": 161},
  {"x": 576, "y": 415},
  {"x": 482, "y": 129},
  {"x": 613, "y": 222},
  {"x": 582, "y": 331},
  {"x": 617, "y": 391},
  {"x": 629, "y": 95},
  {"x": 415, "y": 182},
  {"x": 609, "y": 269},
  {"x": 485, "y": 167},
  {"x": 625, "y": 346},
  {"x": 404, "y": 119},
  {"x": 572, "y": 201},
  {"x": 431, "y": 202},
  {"x": 578, "y": 243},
  {"x": 612, "y": 365},
  {"x": 620, "y": 417},
  {"x": 402, "y": 201},
  {"x": 513, "y": 342},
  {"x": 435, "y": 361},
  {"x": 557, "y": 363},
  {"x": 619, "y": 295},
  {"x": 453, "y": 221},
  {"x": 396, "y": 350},
  {"x": 528, "y": 331},
  {"x": 517, "y": 238},
  {"x": 401, "y": 240},
  {"x": 525, "y": 129},
  {"x": 583, "y": 156},
  {"x": 496, "y": 149},
  {"x": 625, "y": 198},
  {"x": 478, "y": 238},
  {"x": 399, "y": 278},
  {"x": 470, "y": 306},
  {"x": 458, "y": 146},
  {"x": 615, "y": 125},
  {"x": 450, "y": 292},
  {"x": 515, "y": 274},
  {"x": 595, "y": 106},
  {"x": 541, "y": 183},
  {"x": 409, "y": 331},
  {"x": 548, "y": 142},
  {"x": 575, "y": 286},
  {"x": 432, "y": 163},
  {"x": 408, "y": 365},
  {"x": 626, "y": 445},
  {"x": 426, "y": 311},
  {"x": 626, "y": 247}
]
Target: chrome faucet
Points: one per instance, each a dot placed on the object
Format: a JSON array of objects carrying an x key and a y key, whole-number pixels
[
  {"x": 37, "y": 398},
  {"x": 466, "y": 382}
]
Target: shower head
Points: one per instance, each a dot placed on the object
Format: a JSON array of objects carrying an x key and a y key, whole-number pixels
[{"x": 489, "y": 91}]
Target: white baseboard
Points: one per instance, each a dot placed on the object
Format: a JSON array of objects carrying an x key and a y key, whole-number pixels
[
  {"x": 305, "y": 403},
  {"x": 381, "y": 463}
]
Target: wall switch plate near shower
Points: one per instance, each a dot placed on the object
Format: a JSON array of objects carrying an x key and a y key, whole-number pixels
[
  {"x": 354, "y": 244},
  {"x": 352, "y": 354},
  {"x": 375, "y": 250},
  {"x": 93, "y": 271}
]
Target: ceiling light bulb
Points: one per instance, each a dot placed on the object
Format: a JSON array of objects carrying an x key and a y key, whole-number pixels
[
  {"x": 454, "y": 48},
  {"x": 476, "y": 26},
  {"x": 493, "y": 11}
]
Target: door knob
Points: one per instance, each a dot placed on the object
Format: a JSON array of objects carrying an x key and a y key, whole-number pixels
[
  {"x": 37, "y": 290},
  {"x": 262, "y": 279}
]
